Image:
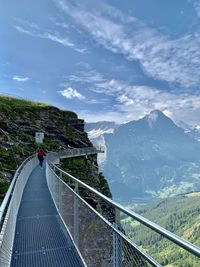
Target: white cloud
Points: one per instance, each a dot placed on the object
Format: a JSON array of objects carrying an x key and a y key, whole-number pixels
[
  {"x": 56, "y": 38},
  {"x": 53, "y": 36},
  {"x": 171, "y": 60},
  {"x": 22, "y": 30},
  {"x": 196, "y": 4},
  {"x": 100, "y": 116},
  {"x": 20, "y": 78},
  {"x": 132, "y": 108},
  {"x": 71, "y": 93},
  {"x": 26, "y": 22},
  {"x": 134, "y": 101},
  {"x": 89, "y": 76},
  {"x": 61, "y": 24}
]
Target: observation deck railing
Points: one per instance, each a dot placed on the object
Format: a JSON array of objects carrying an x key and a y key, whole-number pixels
[
  {"x": 87, "y": 224},
  {"x": 100, "y": 241}
]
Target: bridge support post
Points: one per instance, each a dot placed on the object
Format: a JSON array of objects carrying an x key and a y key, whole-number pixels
[
  {"x": 60, "y": 194},
  {"x": 76, "y": 215},
  {"x": 117, "y": 252}
]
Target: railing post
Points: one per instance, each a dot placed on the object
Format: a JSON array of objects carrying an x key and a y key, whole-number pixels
[
  {"x": 117, "y": 253},
  {"x": 76, "y": 215},
  {"x": 60, "y": 193}
]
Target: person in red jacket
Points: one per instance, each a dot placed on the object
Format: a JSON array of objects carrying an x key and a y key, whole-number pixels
[{"x": 41, "y": 155}]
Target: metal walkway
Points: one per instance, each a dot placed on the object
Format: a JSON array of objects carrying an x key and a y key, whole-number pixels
[
  {"x": 40, "y": 237},
  {"x": 34, "y": 235}
]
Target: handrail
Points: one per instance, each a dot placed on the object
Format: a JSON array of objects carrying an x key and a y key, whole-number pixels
[
  {"x": 79, "y": 151},
  {"x": 11, "y": 187},
  {"x": 155, "y": 227},
  {"x": 144, "y": 254}
]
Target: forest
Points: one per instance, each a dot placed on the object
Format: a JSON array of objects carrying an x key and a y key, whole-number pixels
[{"x": 180, "y": 215}]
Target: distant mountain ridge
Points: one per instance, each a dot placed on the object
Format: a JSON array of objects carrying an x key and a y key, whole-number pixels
[
  {"x": 193, "y": 131},
  {"x": 151, "y": 157},
  {"x": 96, "y": 132}
]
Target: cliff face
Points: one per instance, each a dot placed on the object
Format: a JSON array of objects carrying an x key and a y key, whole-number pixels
[
  {"x": 19, "y": 120},
  {"x": 86, "y": 169}
]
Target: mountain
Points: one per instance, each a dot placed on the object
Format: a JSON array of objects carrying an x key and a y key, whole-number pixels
[
  {"x": 100, "y": 127},
  {"x": 96, "y": 132},
  {"x": 178, "y": 214},
  {"x": 193, "y": 131},
  {"x": 151, "y": 157}
]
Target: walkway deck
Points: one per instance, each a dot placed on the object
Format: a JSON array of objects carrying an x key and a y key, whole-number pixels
[{"x": 40, "y": 237}]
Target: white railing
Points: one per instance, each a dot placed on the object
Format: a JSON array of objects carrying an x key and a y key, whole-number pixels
[
  {"x": 99, "y": 241},
  {"x": 71, "y": 206},
  {"x": 77, "y": 152},
  {"x": 10, "y": 207}
]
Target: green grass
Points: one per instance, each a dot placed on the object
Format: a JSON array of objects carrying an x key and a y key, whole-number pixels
[
  {"x": 3, "y": 187},
  {"x": 17, "y": 102},
  {"x": 11, "y": 104}
]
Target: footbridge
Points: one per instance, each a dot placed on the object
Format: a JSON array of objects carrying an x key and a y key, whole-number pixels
[{"x": 46, "y": 221}]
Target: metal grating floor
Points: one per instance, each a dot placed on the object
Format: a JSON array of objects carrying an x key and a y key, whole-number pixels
[{"x": 40, "y": 238}]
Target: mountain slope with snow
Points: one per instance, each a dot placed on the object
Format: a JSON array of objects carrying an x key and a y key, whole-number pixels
[
  {"x": 193, "y": 131},
  {"x": 151, "y": 157},
  {"x": 96, "y": 132}
]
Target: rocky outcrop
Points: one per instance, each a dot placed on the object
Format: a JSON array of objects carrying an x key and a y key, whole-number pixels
[
  {"x": 20, "y": 119},
  {"x": 86, "y": 169}
]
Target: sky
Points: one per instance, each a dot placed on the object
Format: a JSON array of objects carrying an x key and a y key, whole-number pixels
[{"x": 105, "y": 59}]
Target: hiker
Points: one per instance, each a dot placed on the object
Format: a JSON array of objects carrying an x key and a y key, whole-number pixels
[{"x": 41, "y": 155}]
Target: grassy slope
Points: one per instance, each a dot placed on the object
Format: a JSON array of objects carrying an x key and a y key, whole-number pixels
[
  {"x": 12, "y": 109},
  {"x": 16, "y": 145},
  {"x": 17, "y": 102},
  {"x": 13, "y": 106},
  {"x": 181, "y": 215}
]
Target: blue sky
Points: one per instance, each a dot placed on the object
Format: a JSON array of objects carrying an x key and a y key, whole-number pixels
[{"x": 105, "y": 60}]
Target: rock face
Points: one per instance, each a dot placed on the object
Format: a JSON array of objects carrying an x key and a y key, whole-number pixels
[
  {"x": 151, "y": 157},
  {"x": 86, "y": 169},
  {"x": 19, "y": 120}
]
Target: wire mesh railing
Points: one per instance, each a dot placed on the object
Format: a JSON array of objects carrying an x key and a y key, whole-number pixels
[
  {"x": 100, "y": 242},
  {"x": 9, "y": 208},
  {"x": 77, "y": 152},
  {"x": 127, "y": 258}
]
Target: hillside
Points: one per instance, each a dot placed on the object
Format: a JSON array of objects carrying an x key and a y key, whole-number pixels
[
  {"x": 180, "y": 215},
  {"x": 20, "y": 119}
]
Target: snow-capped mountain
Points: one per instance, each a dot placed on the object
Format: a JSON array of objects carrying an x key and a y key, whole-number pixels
[
  {"x": 96, "y": 131},
  {"x": 151, "y": 157},
  {"x": 193, "y": 131},
  {"x": 101, "y": 127}
]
